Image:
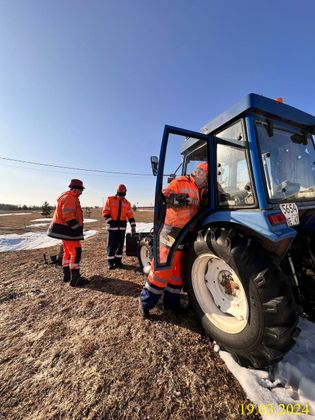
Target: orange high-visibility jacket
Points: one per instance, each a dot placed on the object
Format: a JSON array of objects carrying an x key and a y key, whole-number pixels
[
  {"x": 67, "y": 220},
  {"x": 178, "y": 217},
  {"x": 116, "y": 212}
]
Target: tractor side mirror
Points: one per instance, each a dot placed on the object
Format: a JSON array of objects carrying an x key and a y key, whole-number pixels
[{"x": 154, "y": 164}]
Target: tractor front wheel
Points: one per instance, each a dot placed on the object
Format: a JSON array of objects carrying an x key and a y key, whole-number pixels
[
  {"x": 242, "y": 297},
  {"x": 145, "y": 254}
]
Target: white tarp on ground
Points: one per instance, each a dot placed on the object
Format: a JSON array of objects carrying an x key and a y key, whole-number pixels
[{"x": 32, "y": 240}]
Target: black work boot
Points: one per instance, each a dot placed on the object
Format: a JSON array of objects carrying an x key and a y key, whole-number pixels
[
  {"x": 76, "y": 279},
  {"x": 66, "y": 274},
  {"x": 111, "y": 264},
  {"x": 118, "y": 262},
  {"x": 143, "y": 311}
]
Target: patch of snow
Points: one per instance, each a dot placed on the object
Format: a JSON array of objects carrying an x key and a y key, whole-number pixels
[
  {"x": 291, "y": 381},
  {"x": 50, "y": 219},
  {"x": 216, "y": 348},
  {"x": 38, "y": 224},
  {"x": 88, "y": 233},
  {"x": 32, "y": 240},
  {"x": 13, "y": 214},
  {"x": 140, "y": 227}
]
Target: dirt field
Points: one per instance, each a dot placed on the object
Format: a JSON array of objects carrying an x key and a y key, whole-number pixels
[{"x": 85, "y": 353}]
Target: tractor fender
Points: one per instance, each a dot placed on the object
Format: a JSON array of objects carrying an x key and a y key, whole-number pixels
[{"x": 276, "y": 239}]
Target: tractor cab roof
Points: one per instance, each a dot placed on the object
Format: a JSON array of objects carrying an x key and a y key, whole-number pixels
[{"x": 260, "y": 104}]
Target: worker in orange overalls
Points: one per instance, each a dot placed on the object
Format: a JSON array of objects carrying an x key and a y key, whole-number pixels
[
  {"x": 116, "y": 211},
  {"x": 67, "y": 224},
  {"x": 184, "y": 197}
]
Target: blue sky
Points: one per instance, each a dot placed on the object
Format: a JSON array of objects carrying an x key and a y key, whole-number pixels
[{"x": 91, "y": 84}]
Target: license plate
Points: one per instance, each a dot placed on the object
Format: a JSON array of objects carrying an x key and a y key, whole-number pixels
[{"x": 291, "y": 213}]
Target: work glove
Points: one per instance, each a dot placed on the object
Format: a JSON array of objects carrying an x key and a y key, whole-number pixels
[
  {"x": 177, "y": 200},
  {"x": 133, "y": 231},
  {"x": 108, "y": 222}
]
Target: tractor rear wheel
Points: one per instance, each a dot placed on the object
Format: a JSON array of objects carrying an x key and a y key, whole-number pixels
[
  {"x": 308, "y": 290},
  {"x": 307, "y": 281},
  {"x": 242, "y": 297}
]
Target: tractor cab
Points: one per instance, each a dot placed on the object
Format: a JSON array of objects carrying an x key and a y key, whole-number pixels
[{"x": 261, "y": 178}]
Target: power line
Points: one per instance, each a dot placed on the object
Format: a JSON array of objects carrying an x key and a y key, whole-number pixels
[
  {"x": 56, "y": 171},
  {"x": 72, "y": 168}
]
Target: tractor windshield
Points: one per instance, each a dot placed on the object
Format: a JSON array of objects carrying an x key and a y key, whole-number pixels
[{"x": 288, "y": 159}]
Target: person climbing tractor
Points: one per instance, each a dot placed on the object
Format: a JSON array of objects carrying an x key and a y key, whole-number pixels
[
  {"x": 184, "y": 196},
  {"x": 116, "y": 211},
  {"x": 67, "y": 225}
]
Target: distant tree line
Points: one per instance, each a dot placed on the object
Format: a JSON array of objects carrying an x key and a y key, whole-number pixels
[
  {"x": 7, "y": 207},
  {"x": 18, "y": 207}
]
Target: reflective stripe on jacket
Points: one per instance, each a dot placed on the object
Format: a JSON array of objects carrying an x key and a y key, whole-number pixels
[
  {"x": 178, "y": 217},
  {"x": 68, "y": 209},
  {"x": 116, "y": 212}
]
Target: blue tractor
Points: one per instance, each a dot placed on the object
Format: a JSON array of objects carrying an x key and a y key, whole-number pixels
[{"x": 250, "y": 251}]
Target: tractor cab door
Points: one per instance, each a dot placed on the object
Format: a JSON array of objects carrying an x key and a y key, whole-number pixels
[{"x": 178, "y": 202}]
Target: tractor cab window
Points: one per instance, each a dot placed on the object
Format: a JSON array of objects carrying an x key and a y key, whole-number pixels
[
  {"x": 233, "y": 134},
  {"x": 234, "y": 187},
  {"x": 181, "y": 196},
  {"x": 193, "y": 159},
  {"x": 180, "y": 161},
  {"x": 288, "y": 161}
]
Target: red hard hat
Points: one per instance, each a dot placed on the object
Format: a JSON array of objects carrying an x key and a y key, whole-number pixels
[
  {"x": 203, "y": 166},
  {"x": 121, "y": 188},
  {"x": 76, "y": 183}
]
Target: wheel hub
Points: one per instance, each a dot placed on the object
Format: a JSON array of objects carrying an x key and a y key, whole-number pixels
[
  {"x": 220, "y": 293},
  {"x": 230, "y": 287}
]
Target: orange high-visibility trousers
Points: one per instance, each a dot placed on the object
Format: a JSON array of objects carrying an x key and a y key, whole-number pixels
[
  {"x": 71, "y": 254},
  {"x": 164, "y": 282},
  {"x": 172, "y": 276}
]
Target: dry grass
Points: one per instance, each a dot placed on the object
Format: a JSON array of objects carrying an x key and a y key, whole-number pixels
[{"x": 86, "y": 353}]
